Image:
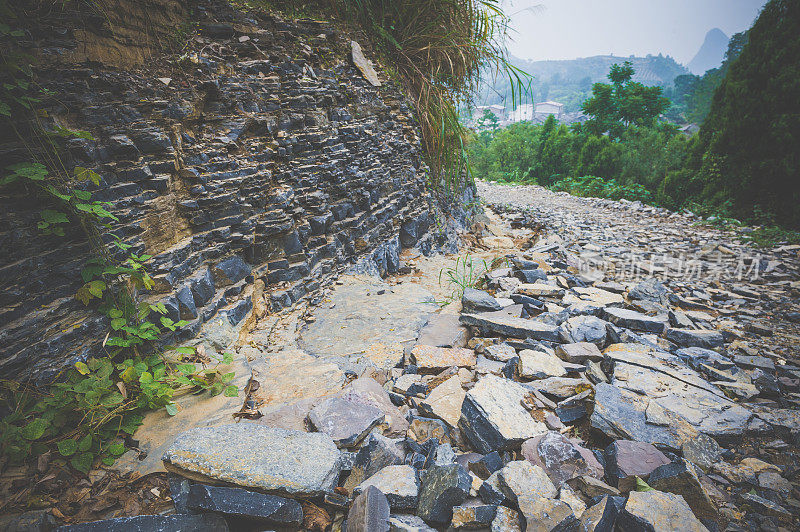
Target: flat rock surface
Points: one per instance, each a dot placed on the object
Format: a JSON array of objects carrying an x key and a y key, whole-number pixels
[
  {"x": 255, "y": 456},
  {"x": 363, "y": 311}
]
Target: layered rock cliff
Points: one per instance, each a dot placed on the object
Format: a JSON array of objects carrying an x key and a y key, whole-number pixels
[{"x": 256, "y": 152}]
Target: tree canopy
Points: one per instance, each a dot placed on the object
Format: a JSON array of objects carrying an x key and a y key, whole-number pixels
[{"x": 615, "y": 107}]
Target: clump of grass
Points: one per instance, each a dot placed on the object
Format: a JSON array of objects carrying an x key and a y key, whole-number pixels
[
  {"x": 440, "y": 49},
  {"x": 467, "y": 272}
]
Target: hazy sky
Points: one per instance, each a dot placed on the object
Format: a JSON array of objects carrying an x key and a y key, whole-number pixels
[{"x": 566, "y": 29}]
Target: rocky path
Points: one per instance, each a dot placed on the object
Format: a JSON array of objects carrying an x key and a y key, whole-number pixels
[{"x": 616, "y": 367}]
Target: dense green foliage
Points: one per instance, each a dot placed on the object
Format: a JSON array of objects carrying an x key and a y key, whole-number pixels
[
  {"x": 748, "y": 157},
  {"x": 632, "y": 167},
  {"x": 624, "y": 103},
  {"x": 691, "y": 95},
  {"x": 744, "y": 163}
]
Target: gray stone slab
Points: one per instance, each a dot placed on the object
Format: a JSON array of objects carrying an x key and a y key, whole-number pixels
[{"x": 254, "y": 456}]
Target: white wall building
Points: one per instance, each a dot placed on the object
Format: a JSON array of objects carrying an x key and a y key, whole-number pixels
[{"x": 550, "y": 108}]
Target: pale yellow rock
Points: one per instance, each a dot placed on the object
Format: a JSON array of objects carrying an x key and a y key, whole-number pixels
[
  {"x": 597, "y": 296},
  {"x": 445, "y": 401},
  {"x": 364, "y": 64},
  {"x": 431, "y": 359},
  {"x": 539, "y": 289},
  {"x": 385, "y": 356}
]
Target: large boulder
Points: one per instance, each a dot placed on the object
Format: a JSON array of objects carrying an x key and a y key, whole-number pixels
[{"x": 254, "y": 456}]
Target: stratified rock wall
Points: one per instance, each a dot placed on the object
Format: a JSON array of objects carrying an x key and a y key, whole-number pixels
[{"x": 257, "y": 152}]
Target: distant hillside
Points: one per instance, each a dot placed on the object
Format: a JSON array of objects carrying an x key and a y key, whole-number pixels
[
  {"x": 711, "y": 53},
  {"x": 570, "y": 81}
]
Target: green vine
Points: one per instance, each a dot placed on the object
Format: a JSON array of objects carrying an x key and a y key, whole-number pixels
[{"x": 92, "y": 408}]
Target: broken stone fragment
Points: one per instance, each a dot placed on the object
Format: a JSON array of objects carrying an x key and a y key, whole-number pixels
[
  {"x": 408, "y": 523},
  {"x": 443, "y": 487},
  {"x": 506, "y": 520},
  {"x": 521, "y": 479},
  {"x": 251, "y": 505},
  {"x": 363, "y": 64},
  {"x": 501, "y": 352},
  {"x": 365, "y": 390},
  {"x": 602, "y": 516},
  {"x": 486, "y": 465},
  {"x": 530, "y": 276},
  {"x": 473, "y": 516},
  {"x": 703, "y": 451},
  {"x": 493, "y": 418},
  {"x": 695, "y": 338},
  {"x": 508, "y": 326},
  {"x": 400, "y": 484},
  {"x": 254, "y": 456},
  {"x": 679, "y": 478},
  {"x": 578, "y": 353},
  {"x": 584, "y": 329},
  {"x": 560, "y": 458},
  {"x": 567, "y": 494},
  {"x": 540, "y": 289},
  {"x": 591, "y": 487},
  {"x": 627, "y": 459},
  {"x": 621, "y": 414},
  {"x": 764, "y": 506},
  {"x": 430, "y": 359},
  {"x": 657, "y": 511},
  {"x": 344, "y": 421},
  {"x": 635, "y": 320},
  {"x": 547, "y": 515},
  {"x": 369, "y": 512},
  {"x": 478, "y": 301},
  {"x": 650, "y": 290},
  {"x": 443, "y": 330},
  {"x": 445, "y": 401},
  {"x": 490, "y": 491},
  {"x": 375, "y": 454},
  {"x": 539, "y": 365}
]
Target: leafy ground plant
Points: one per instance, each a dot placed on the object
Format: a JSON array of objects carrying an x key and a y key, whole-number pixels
[{"x": 90, "y": 412}]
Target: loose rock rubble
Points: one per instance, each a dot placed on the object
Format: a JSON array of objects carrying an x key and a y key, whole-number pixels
[{"x": 570, "y": 401}]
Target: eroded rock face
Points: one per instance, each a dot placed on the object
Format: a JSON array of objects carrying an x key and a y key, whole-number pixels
[
  {"x": 254, "y": 456},
  {"x": 305, "y": 193}
]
